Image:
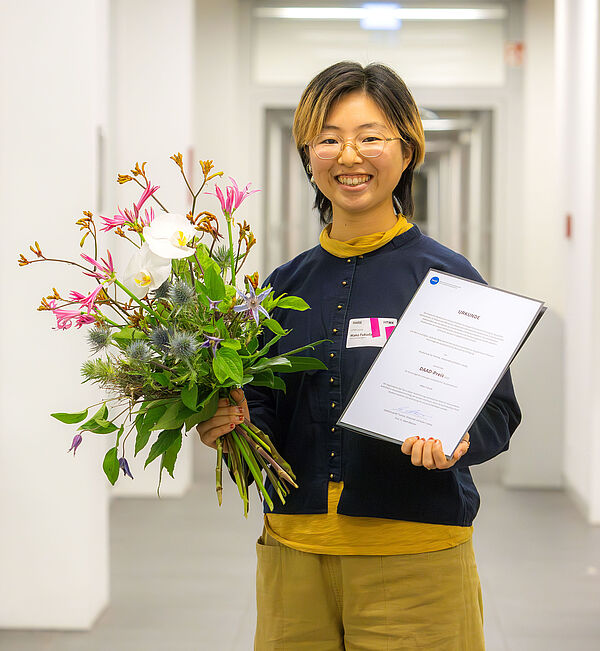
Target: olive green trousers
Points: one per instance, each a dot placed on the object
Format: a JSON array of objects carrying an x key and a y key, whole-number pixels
[{"x": 321, "y": 602}]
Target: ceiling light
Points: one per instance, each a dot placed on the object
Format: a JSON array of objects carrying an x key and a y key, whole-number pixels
[
  {"x": 380, "y": 16},
  {"x": 489, "y": 12}
]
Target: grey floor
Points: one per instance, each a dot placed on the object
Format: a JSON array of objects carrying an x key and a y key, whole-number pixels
[{"x": 182, "y": 576}]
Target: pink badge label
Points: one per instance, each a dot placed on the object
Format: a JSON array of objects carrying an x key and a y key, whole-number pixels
[
  {"x": 388, "y": 331},
  {"x": 374, "y": 327}
]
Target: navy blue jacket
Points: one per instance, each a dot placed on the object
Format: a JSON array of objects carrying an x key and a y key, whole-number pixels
[{"x": 379, "y": 480}]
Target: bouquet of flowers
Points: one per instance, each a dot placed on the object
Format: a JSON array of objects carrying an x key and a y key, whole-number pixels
[{"x": 173, "y": 333}]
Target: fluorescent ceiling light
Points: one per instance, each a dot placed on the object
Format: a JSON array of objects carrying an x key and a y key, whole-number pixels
[
  {"x": 494, "y": 12},
  {"x": 380, "y": 16}
]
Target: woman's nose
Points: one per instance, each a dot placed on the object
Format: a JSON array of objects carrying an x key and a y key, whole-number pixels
[{"x": 349, "y": 154}]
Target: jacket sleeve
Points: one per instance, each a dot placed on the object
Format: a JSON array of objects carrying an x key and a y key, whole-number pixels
[{"x": 490, "y": 433}]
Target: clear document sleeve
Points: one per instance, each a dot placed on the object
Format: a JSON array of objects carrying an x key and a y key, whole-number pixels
[{"x": 449, "y": 350}]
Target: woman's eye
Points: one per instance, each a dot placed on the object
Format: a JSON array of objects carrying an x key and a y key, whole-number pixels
[
  {"x": 327, "y": 141},
  {"x": 371, "y": 138}
]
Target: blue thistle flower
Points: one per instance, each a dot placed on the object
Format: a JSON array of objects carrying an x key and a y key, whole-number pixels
[
  {"x": 181, "y": 294},
  {"x": 163, "y": 290},
  {"x": 98, "y": 338},
  {"x": 138, "y": 351},
  {"x": 159, "y": 337},
  {"x": 182, "y": 345}
]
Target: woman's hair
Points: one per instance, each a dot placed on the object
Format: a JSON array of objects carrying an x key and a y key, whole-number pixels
[{"x": 394, "y": 99}]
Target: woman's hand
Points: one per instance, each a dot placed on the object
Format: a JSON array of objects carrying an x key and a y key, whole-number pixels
[
  {"x": 225, "y": 419},
  {"x": 430, "y": 453}
]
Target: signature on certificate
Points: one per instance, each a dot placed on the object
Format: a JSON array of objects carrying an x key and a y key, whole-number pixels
[{"x": 408, "y": 412}]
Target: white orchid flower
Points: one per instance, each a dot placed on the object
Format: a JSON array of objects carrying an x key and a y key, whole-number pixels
[
  {"x": 168, "y": 234},
  {"x": 146, "y": 271}
]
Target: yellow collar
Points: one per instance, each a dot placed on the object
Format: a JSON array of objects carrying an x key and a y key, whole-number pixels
[{"x": 362, "y": 243}]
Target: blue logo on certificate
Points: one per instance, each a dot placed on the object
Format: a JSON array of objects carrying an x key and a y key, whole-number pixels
[{"x": 435, "y": 280}]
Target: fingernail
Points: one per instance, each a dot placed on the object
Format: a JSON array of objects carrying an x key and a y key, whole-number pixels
[
  {"x": 231, "y": 425},
  {"x": 430, "y": 438},
  {"x": 240, "y": 418},
  {"x": 239, "y": 410}
]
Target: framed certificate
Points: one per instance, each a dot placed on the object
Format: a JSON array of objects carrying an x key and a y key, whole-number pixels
[{"x": 444, "y": 358}]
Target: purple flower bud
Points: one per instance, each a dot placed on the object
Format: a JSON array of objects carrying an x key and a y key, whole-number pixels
[
  {"x": 75, "y": 444},
  {"x": 125, "y": 467}
]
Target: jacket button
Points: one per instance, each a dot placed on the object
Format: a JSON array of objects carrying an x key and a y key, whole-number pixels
[
  {"x": 333, "y": 454},
  {"x": 344, "y": 282},
  {"x": 332, "y": 380},
  {"x": 333, "y": 429},
  {"x": 349, "y": 260},
  {"x": 331, "y": 354},
  {"x": 333, "y": 405},
  {"x": 339, "y": 307},
  {"x": 331, "y": 476},
  {"x": 335, "y": 331},
  {"x": 361, "y": 256}
]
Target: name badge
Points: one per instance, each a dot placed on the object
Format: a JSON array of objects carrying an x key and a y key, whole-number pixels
[{"x": 373, "y": 331}]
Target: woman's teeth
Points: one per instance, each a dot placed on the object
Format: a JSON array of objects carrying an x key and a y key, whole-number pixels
[{"x": 352, "y": 180}]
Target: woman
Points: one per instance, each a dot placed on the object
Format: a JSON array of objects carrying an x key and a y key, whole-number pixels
[{"x": 373, "y": 550}]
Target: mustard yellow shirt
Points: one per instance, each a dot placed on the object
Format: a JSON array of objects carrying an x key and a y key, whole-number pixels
[{"x": 332, "y": 533}]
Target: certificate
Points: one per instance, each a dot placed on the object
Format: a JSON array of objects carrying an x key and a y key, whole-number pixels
[{"x": 444, "y": 358}]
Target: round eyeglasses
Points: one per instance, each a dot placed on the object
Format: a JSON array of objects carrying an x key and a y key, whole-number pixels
[{"x": 369, "y": 143}]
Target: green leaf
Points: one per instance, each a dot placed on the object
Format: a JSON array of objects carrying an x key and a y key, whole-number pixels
[
  {"x": 163, "y": 379},
  {"x": 275, "y": 327},
  {"x": 189, "y": 395},
  {"x": 111, "y": 465},
  {"x": 162, "y": 444},
  {"x": 264, "y": 378},
  {"x": 293, "y": 303},
  {"x": 274, "y": 363},
  {"x": 173, "y": 417},
  {"x": 97, "y": 421},
  {"x": 144, "y": 424},
  {"x": 128, "y": 333},
  {"x": 231, "y": 343},
  {"x": 70, "y": 418},
  {"x": 98, "y": 428},
  {"x": 279, "y": 384},
  {"x": 215, "y": 286},
  {"x": 252, "y": 345},
  {"x": 170, "y": 456},
  {"x": 209, "y": 407},
  {"x": 300, "y": 363},
  {"x": 228, "y": 364}
]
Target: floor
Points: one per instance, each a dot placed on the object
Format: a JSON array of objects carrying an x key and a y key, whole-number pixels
[{"x": 182, "y": 576}]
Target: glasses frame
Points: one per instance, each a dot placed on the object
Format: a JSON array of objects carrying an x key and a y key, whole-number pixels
[{"x": 354, "y": 146}]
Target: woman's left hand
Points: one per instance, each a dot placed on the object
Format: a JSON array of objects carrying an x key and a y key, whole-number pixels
[{"x": 430, "y": 454}]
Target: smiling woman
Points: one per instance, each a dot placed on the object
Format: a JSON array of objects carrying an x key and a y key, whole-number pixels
[{"x": 373, "y": 549}]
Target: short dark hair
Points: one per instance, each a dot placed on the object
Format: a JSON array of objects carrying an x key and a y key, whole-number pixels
[{"x": 392, "y": 96}]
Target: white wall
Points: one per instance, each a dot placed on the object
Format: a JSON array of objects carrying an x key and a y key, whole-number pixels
[
  {"x": 540, "y": 245},
  {"x": 151, "y": 119},
  {"x": 54, "y": 508},
  {"x": 578, "y": 49}
]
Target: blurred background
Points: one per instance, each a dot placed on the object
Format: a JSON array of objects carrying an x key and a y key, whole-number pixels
[{"x": 509, "y": 93}]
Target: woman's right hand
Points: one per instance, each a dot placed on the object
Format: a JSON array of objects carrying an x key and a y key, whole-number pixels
[{"x": 225, "y": 419}]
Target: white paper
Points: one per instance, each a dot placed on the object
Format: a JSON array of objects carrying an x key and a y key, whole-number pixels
[{"x": 441, "y": 363}]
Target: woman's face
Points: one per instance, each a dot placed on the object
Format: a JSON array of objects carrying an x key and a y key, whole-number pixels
[{"x": 358, "y": 185}]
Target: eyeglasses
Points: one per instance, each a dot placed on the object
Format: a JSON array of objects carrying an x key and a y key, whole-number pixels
[{"x": 369, "y": 143}]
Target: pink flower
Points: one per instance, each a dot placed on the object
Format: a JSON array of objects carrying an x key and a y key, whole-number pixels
[
  {"x": 117, "y": 220},
  {"x": 89, "y": 301},
  {"x": 234, "y": 198},
  {"x": 148, "y": 218},
  {"x": 84, "y": 319},
  {"x": 104, "y": 269},
  {"x": 125, "y": 215},
  {"x": 146, "y": 194},
  {"x": 65, "y": 318}
]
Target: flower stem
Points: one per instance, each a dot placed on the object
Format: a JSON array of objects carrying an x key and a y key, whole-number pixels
[
  {"x": 137, "y": 300},
  {"x": 229, "y": 220}
]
